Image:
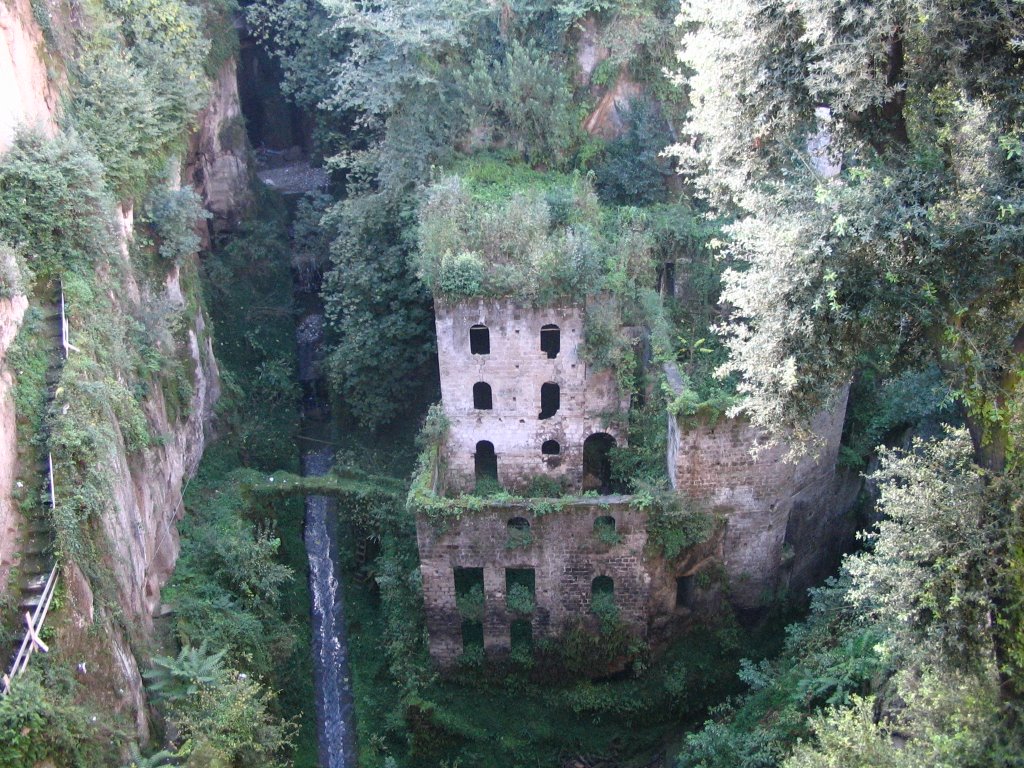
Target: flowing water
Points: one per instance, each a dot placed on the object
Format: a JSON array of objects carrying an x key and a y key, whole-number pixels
[{"x": 334, "y": 709}]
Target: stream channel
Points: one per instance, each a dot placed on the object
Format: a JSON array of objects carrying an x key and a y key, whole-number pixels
[{"x": 334, "y": 708}]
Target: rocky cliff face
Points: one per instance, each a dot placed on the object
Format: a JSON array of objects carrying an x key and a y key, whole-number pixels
[
  {"x": 217, "y": 158},
  {"x": 148, "y": 484},
  {"x": 12, "y": 310},
  {"x": 140, "y": 528},
  {"x": 27, "y": 90}
]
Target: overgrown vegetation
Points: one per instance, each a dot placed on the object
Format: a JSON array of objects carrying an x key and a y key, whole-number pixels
[
  {"x": 40, "y": 721},
  {"x": 239, "y": 588},
  {"x": 899, "y": 642}
]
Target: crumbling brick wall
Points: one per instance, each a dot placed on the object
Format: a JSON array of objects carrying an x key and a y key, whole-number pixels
[
  {"x": 760, "y": 496},
  {"x": 565, "y": 554},
  {"x": 516, "y": 368}
]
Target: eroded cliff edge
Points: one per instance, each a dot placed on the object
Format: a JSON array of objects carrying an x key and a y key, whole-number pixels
[{"x": 138, "y": 526}]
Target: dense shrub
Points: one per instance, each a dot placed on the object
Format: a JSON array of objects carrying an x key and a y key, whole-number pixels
[
  {"x": 53, "y": 204},
  {"x": 508, "y": 247},
  {"x": 39, "y": 723},
  {"x": 174, "y": 215}
]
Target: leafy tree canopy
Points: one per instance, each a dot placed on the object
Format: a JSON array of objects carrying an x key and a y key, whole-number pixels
[{"x": 913, "y": 250}]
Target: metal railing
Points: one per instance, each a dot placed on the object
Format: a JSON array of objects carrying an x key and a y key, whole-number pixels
[
  {"x": 34, "y": 621},
  {"x": 33, "y": 626},
  {"x": 65, "y": 338}
]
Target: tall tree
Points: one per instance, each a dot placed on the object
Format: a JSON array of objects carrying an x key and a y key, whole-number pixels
[
  {"x": 914, "y": 250},
  {"x": 912, "y": 253}
]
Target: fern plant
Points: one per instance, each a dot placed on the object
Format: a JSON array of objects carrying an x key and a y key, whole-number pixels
[{"x": 173, "y": 679}]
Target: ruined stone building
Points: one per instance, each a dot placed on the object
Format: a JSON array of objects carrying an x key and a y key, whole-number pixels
[{"x": 522, "y": 404}]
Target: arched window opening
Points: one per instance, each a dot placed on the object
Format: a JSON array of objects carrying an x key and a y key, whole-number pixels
[
  {"x": 550, "y": 398},
  {"x": 482, "y": 396},
  {"x": 485, "y": 462},
  {"x": 597, "y": 465},
  {"x": 479, "y": 340},
  {"x": 550, "y": 340},
  {"x": 519, "y": 535},
  {"x": 551, "y": 448},
  {"x": 602, "y": 585}
]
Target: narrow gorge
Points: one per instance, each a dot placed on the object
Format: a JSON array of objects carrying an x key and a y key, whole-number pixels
[{"x": 583, "y": 384}]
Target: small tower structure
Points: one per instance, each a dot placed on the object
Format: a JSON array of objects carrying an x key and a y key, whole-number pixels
[{"x": 523, "y": 406}]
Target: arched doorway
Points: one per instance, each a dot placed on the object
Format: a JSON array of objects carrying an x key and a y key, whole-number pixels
[
  {"x": 485, "y": 463},
  {"x": 597, "y": 465}
]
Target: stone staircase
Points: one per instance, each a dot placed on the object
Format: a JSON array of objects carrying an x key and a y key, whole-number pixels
[
  {"x": 36, "y": 572},
  {"x": 37, "y": 549}
]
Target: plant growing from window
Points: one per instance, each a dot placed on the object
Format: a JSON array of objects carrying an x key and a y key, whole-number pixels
[
  {"x": 602, "y": 605},
  {"x": 520, "y": 599},
  {"x": 470, "y": 603},
  {"x": 518, "y": 538},
  {"x": 604, "y": 529}
]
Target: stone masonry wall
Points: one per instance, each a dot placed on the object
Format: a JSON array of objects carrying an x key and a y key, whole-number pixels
[
  {"x": 515, "y": 369},
  {"x": 566, "y": 556},
  {"x": 760, "y": 495}
]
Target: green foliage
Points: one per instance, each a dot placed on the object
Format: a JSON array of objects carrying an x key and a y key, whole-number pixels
[
  {"x": 604, "y": 530},
  {"x": 28, "y": 357},
  {"x": 380, "y": 315},
  {"x": 519, "y": 599},
  {"x": 830, "y": 270},
  {"x": 471, "y": 603},
  {"x": 218, "y": 26},
  {"x": 161, "y": 759},
  {"x": 641, "y": 462},
  {"x": 880, "y": 407},
  {"x": 946, "y": 720},
  {"x": 908, "y": 621},
  {"x": 248, "y": 289},
  {"x": 926, "y": 581},
  {"x": 173, "y": 679},
  {"x": 518, "y": 538},
  {"x": 229, "y": 721},
  {"x": 174, "y": 216},
  {"x": 544, "y": 487},
  {"x": 96, "y": 413},
  {"x": 673, "y": 523},
  {"x": 525, "y": 96},
  {"x": 133, "y": 103},
  {"x": 53, "y": 205},
  {"x": 632, "y": 170},
  {"x": 39, "y": 722},
  {"x": 460, "y": 275},
  {"x": 524, "y": 252},
  {"x": 602, "y": 605},
  {"x": 228, "y": 585}
]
